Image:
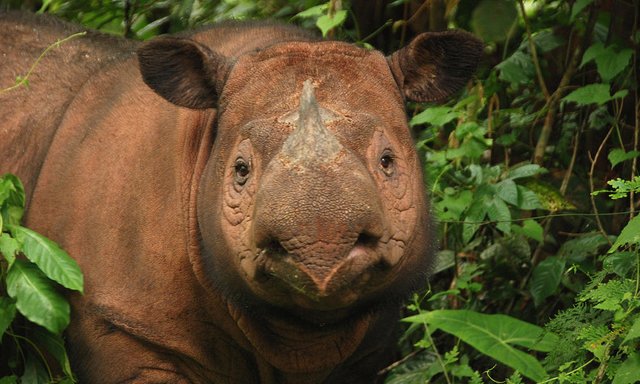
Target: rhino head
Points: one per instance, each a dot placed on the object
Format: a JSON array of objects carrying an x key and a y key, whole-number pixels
[{"x": 312, "y": 203}]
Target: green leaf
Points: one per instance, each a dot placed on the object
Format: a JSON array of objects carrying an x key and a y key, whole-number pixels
[
  {"x": 526, "y": 170},
  {"x": 610, "y": 295},
  {"x": 9, "y": 247},
  {"x": 437, "y": 116},
  {"x": 475, "y": 215},
  {"x": 629, "y": 371},
  {"x": 578, "y": 6},
  {"x": 9, "y": 380},
  {"x": 36, "y": 298},
  {"x": 7, "y": 313},
  {"x": 586, "y": 245},
  {"x": 528, "y": 199},
  {"x": 11, "y": 190},
  {"x": 498, "y": 211},
  {"x": 326, "y": 23},
  {"x": 611, "y": 63},
  {"x": 51, "y": 259},
  {"x": 508, "y": 191},
  {"x": 453, "y": 204},
  {"x": 620, "y": 263},
  {"x": 546, "y": 40},
  {"x": 12, "y": 199},
  {"x": 630, "y": 234},
  {"x": 531, "y": 229},
  {"x": 495, "y": 336},
  {"x": 54, "y": 344},
  {"x": 634, "y": 331},
  {"x": 546, "y": 278},
  {"x": 34, "y": 369},
  {"x": 597, "y": 49},
  {"x": 593, "y": 94},
  {"x": 516, "y": 69},
  {"x": 618, "y": 155},
  {"x": 417, "y": 370},
  {"x": 316, "y": 11}
]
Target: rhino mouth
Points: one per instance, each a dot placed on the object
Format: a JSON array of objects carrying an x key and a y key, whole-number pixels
[{"x": 289, "y": 280}]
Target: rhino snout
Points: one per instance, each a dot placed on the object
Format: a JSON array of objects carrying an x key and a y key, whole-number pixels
[{"x": 318, "y": 219}]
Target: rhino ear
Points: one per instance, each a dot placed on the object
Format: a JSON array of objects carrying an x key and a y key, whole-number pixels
[
  {"x": 435, "y": 64},
  {"x": 182, "y": 71}
]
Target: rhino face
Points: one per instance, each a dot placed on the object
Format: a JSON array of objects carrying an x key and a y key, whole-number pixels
[{"x": 312, "y": 201}]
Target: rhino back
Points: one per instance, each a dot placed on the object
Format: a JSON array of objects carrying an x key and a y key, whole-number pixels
[
  {"x": 31, "y": 114},
  {"x": 233, "y": 38}
]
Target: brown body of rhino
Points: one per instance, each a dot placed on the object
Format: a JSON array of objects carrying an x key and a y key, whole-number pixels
[{"x": 245, "y": 202}]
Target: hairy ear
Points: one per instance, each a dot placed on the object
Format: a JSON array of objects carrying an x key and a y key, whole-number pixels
[
  {"x": 435, "y": 64},
  {"x": 182, "y": 71}
]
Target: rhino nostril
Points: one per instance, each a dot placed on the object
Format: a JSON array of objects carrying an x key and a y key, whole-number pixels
[
  {"x": 274, "y": 248},
  {"x": 366, "y": 240}
]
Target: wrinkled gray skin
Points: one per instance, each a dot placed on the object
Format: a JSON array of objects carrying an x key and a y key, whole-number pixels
[{"x": 246, "y": 202}]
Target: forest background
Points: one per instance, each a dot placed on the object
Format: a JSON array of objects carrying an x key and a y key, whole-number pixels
[{"x": 532, "y": 172}]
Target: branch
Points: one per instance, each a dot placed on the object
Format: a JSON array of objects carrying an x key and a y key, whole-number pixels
[
  {"x": 24, "y": 80},
  {"x": 534, "y": 53},
  {"x": 554, "y": 100},
  {"x": 594, "y": 160}
]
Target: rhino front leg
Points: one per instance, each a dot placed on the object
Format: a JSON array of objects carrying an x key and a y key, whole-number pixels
[
  {"x": 117, "y": 357},
  {"x": 109, "y": 354}
]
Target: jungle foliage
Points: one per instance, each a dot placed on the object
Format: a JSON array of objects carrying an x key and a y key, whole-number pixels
[{"x": 532, "y": 172}]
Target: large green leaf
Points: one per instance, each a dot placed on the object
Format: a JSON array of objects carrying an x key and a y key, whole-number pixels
[
  {"x": 508, "y": 191},
  {"x": 593, "y": 94},
  {"x": 629, "y": 371},
  {"x": 525, "y": 170},
  {"x": 498, "y": 212},
  {"x": 528, "y": 199},
  {"x": 546, "y": 278},
  {"x": 634, "y": 331},
  {"x": 620, "y": 263},
  {"x": 618, "y": 155},
  {"x": 326, "y": 23},
  {"x": 7, "y": 313},
  {"x": 609, "y": 61},
  {"x": 495, "y": 336},
  {"x": 582, "y": 247},
  {"x": 51, "y": 259},
  {"x": 630, "y": 234},
  {"x": 36, "y": 298},
  {"x": 475, "y": 215},
  {"x": 437, "y": 116}
]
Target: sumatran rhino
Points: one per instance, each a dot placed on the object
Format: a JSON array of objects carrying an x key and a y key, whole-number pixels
[{"x": 245, "y": 202}]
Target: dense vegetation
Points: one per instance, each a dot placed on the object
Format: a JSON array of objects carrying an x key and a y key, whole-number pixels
[{"x": 532, "y": 173}]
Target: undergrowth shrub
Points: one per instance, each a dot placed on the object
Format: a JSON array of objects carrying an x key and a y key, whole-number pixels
[{"x": 33, "y": 312}]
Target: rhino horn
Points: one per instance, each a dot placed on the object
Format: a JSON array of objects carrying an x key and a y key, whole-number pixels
[{"x": 311, "y": 142}]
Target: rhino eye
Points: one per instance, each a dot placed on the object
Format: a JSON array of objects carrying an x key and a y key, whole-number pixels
[
  {"x": 241, "y": 169},
  {"x": 387, "y": 161}
]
